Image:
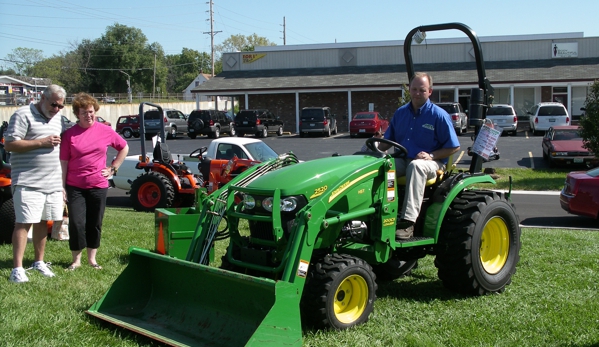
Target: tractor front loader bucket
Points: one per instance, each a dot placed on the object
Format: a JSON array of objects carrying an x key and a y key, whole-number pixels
[{"x": 182, "y": 303}]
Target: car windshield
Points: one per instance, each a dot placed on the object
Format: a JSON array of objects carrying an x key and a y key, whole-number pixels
[
  {"x": 152, "y": 115},
  {"x": 500, "y": 111},
  {"x": 365, "y": 116},
  {"x": 552, "y": 111},
  {"x": 312, "y": 114},
  {"x": 261, "y": 151},
  {"x": 566, "y": 135}
]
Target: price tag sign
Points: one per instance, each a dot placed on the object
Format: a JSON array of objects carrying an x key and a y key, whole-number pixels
[{"x": 486, "y": 141}]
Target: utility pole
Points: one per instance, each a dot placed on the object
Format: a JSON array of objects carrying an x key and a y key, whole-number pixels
[
  {"x": 154, "y": 88},
  {"x": 284, "y": 32},
  {"x": 212, "y": 33}
]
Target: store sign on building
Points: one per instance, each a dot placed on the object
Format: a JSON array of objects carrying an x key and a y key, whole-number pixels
[
  {"x": 564, "y": 50},
  {"x": 250, "y": 58}
]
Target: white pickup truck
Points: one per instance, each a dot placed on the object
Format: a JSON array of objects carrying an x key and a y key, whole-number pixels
[{"x": 222, "y": 148}]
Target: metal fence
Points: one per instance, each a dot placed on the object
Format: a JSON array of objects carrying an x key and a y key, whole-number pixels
[{"x": 107, "y": 98}]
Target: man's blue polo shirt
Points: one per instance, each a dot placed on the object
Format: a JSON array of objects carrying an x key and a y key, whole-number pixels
[{"x": 424, "y": 131}]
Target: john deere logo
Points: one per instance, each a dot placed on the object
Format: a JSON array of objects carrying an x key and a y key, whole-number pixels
[
  {"x": 429, "y": 127},
  {"x": 250, "y": 58}
]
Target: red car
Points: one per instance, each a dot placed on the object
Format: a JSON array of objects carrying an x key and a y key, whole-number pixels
[
  {"x": 580, "y": 195},
  {"x": 563, "y": 145},
  {"x": 367, "y": 123}
]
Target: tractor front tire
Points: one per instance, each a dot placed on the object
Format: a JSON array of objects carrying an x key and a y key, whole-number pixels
[
  {"x": 7, "y": 216},
  {"x": 479, "y": 244},
  {"x": 152, "y": 190},
  {"x": 340, "y": 292}
]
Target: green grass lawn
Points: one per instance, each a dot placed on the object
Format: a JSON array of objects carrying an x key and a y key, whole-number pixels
[
  {"x": 532, "y": 179},
  {"x": 552, "y": 300}
]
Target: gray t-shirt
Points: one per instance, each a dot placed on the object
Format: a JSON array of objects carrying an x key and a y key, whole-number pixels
[{"x": 39, "y": 168}]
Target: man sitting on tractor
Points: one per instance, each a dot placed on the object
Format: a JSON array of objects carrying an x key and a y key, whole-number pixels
[{"x": 427, "y": 133}]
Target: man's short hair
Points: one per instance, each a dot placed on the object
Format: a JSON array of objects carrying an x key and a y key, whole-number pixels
[
  {"x": 423, "y": 74},
  {"x": 55, "y": 89}
]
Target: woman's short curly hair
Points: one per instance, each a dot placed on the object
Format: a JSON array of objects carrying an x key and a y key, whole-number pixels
[{"x": 84, "y": 101}]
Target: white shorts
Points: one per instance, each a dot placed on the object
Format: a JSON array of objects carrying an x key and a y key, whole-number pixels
[{"x": 33, "y": 206}]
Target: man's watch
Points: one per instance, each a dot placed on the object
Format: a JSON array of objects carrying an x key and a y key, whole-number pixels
[
  {"x": 115, "y": 169},
  {"x": 432, "y": 157}
]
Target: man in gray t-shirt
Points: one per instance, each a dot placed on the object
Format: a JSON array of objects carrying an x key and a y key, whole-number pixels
[{"x": 33, "y": 138}]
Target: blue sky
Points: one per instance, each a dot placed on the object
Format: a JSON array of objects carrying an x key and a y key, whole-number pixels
[{"x": 54, "y": 26}]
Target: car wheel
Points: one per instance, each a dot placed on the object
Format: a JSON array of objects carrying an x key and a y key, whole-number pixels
[
  {"x": 280, "y": 131},
  {"x": 264, "y": 132},
  {"x": 232, "y": 132},
  {"x": 335, "y": 131},
  {"x": 127, "y": 133},
  {"x": 216, "y": 133},
  {"x": 136, "y": 135},
  {"x": 328, "y": 132}
]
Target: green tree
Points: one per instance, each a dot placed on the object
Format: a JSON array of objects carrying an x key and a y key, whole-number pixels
[
  {"x": 241, "y": 43},
  {"x": 405, "y": 97},
  {"x": 127, "y": 49},
  {"x": 184, "y": 68},
  {"x": 23, "y": 60},
  {"x": 589, "y": 131}
]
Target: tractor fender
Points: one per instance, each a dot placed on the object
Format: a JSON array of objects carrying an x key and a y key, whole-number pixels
[{"x": 436, "y": 212}]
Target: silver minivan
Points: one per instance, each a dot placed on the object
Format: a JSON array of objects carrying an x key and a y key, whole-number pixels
[
  {"x": 547, "y": 114},
  {"x": 504, "y": 117}
]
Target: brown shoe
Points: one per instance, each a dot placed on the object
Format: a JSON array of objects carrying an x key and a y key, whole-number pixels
[{"x": 404, "y": 233}]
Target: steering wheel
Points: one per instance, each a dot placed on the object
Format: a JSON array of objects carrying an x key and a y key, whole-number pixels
[
  {"x": 370, "y": 143},
  {"x": 198, "y": 152}
]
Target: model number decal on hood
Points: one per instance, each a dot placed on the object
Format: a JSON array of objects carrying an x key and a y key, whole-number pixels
[{"x": 319, "y": 191}]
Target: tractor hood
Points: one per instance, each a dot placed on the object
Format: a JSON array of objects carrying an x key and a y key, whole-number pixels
[{"x": 310, "y": 177}]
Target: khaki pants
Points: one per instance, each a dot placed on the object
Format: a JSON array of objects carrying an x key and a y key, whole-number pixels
[{"x": 417, "y": 172}]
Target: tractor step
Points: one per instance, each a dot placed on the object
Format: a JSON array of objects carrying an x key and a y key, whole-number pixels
[{"x": 415, "y": 241}]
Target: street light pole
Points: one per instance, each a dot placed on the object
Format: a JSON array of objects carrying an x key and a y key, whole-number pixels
[{"x": 128, "y": 86}]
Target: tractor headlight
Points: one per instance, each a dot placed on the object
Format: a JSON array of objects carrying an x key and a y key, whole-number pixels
[
  {"x": 287, "y": 204},
  {"x": 249, "y": 202}
]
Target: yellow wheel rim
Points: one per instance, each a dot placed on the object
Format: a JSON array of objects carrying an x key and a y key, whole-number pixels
[
  {"x": 494, "y": 245},
  {"x": 351, "y": 299}
]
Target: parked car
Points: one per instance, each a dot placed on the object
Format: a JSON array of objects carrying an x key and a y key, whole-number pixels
[
  {"x": 66, "y": 123},
  {"x": 505, "y": 117},
  {"x": 563, "y": 145},
  {"x": 457, "y": 114},
  {"x": 175, "y": 122},
  {"x": 109, "y": 100},
  {"x": 223, "y": 148},
  {"x": 547, "y": 114},
  {"x": 209, "y": 122},
  {"x": 367, "y": 123},
  {"x": 580, "y": 194},
  {"x": 128, "y": 126},
  {"x": 22, "y": 100},
  {"x": 259, "y": 122},
  {"x": 102, "y": 120},
  {"x": 317, "y": 120}
]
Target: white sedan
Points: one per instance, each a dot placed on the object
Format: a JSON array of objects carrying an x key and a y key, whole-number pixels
[{"x": 223, "y": 148}]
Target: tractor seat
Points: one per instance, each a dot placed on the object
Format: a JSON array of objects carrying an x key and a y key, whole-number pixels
[{"x": 401, "y": 181}]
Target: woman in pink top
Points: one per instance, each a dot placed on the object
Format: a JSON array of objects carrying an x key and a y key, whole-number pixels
[{"x": 85, "y": 176}]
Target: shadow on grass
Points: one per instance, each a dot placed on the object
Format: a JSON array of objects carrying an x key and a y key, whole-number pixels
[{"x": 417, "y": 287}]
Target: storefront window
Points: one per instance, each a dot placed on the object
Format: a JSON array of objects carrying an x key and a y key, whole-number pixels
[{"x": 524, "y": 99}]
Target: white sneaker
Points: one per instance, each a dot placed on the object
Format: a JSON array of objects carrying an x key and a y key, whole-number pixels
[
  {"x": 43, "y": 268},
  {"x": 18, "y": 275}
]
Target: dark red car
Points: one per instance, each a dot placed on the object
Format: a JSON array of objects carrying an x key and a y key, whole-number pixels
[
  {"x": 580, "y": 195},
  {"x": 367, "y": 123},
  {"x": 563, "y": 145}
]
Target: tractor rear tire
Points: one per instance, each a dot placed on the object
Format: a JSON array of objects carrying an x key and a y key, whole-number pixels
[
  {"x": 479, "y": 242},
  {"x": 394, "y": 269},
  {"x": 7, "y": 216},
  {"x": 340, "y": 292},
  {"x": 152, "y": 190}
]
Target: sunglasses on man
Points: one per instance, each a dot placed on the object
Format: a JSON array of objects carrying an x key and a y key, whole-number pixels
[{"x": 60, "y": 107}]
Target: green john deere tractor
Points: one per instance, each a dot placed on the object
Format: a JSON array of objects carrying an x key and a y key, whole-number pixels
[{"x": 307, "y": 243}]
